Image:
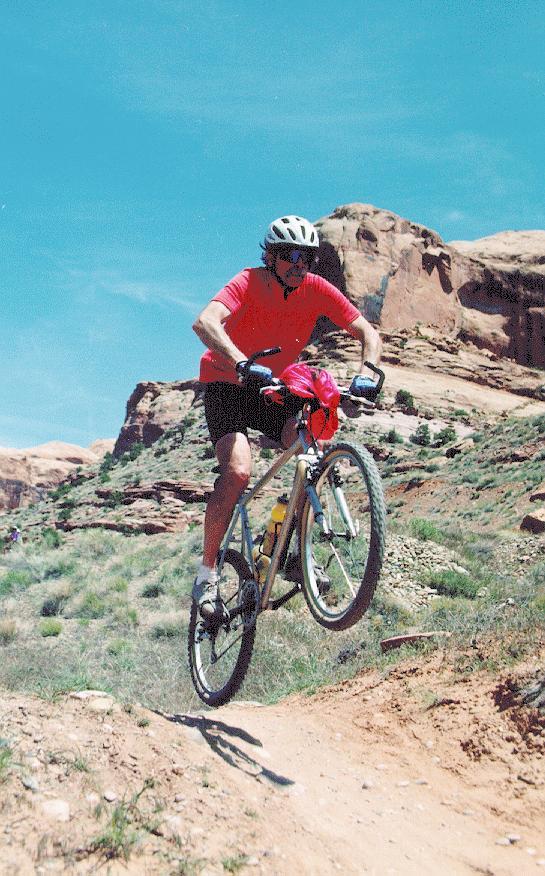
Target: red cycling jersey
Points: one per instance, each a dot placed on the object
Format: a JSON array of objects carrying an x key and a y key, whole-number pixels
[{"x": 261, "y": 317}]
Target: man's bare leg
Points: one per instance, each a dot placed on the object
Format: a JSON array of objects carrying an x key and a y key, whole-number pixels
[{"x": 235, "y": 460}]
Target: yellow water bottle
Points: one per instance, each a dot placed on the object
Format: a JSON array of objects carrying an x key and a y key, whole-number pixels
[
  {"x": 278, "y": 513},
  {"x": 262, "y": 563}
]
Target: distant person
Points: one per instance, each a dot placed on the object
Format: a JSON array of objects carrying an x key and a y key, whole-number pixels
[
  {"x": 275, "y": 305},
  {"x": 13, "y": 538}
]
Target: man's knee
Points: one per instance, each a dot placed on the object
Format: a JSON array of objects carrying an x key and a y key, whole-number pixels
[{"x": 234, "y": 477}]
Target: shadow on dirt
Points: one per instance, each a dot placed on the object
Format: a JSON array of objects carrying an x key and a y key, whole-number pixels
[{"x": 219, "y": 735}]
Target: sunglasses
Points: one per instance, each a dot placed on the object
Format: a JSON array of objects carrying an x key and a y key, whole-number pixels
[{"x": 292, "y": 254}]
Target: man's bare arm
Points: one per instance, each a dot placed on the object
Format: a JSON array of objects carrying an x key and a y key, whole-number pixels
[
  {"x": 371, "y": 344},
  {"x": 209, "y": 328}
]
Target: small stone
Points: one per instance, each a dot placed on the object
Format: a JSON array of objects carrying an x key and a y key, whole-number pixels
[
  {"x": 403, "y": 784},
  {"x": 59, "y": 810},
  {"x": 531, "y": 851},
  {"x": 179, "y": 798},
  {"x": 110, "y": 796},
  {"x": 421, "y": 781},
  {"x": 367, "y": 784},
  {"x": 514, "y": 837},
  {"x": 29, "y": 783},
  {"x": 503, "y": 841}
]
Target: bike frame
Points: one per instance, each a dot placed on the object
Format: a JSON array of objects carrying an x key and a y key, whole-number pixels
[{"x": 307, "y": 457}]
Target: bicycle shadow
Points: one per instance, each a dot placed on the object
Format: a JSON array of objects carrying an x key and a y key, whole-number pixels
[{"x": 218, "y": 736}]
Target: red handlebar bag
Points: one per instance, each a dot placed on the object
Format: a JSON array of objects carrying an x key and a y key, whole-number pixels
[{"x": 308, "y": 382}]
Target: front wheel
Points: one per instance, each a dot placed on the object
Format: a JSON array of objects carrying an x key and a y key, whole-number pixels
[
  {"x": 219, "y": 653},
  {"x": 341, "y": 553}
]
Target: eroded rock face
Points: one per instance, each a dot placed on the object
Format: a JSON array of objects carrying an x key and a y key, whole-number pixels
[
  {"x": 153, "y": 408},
  {"x": 490, "y": 292},
  {"x": 27, "y": 475}
]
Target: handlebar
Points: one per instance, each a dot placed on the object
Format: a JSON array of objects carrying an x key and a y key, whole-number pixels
[{"x": 346, "y": 395}]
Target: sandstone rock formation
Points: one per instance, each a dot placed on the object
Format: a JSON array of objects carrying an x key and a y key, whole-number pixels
[
  {"x": 27, "y": 475},
  {"x": 153, "y": 408},
  {"x": 400, "y": 273}
]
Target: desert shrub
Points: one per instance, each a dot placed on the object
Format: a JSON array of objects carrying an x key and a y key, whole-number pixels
[
  {"x": 539, "y": 423},
  {"x": 135, "y": 450},
  {"x": 8, "y": 631},
  {"x": 92, "y": 606},
  {"x": 15, "y": 579},
  {"x": 393, "y": 437},
  {"x": 425, "y": 530},
  {"x": 445, "y": 436},
  {"x": 115, "y": 499},
  {"x": 266, "y": 453},
  {"x": 152, "y": 591},
  {"x": 59, "y": 569},
  {"x": 65, "y": 514},
  {"x": 53, "y": 605},
  {"x": 167, "y": 628},
  {"x": 422, "y": 436},
  {"x": 118, "y": 647},
  {"x": 51, "y": 538},
  {"x": 108, "y": 462},
  {"x": 405, "y": 398},
  {"x": 449, "y": 582},
  {"x": 119, "y": 585},
  {"x": 50, "y": 627}
]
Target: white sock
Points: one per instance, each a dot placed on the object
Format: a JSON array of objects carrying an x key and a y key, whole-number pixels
[{"x": 205, "y": 573}]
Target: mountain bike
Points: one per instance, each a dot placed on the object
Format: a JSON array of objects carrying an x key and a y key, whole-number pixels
[{"x": 336, "y": 512}]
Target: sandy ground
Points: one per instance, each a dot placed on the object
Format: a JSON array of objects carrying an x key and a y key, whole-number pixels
[{"x": 418, "y": 772}]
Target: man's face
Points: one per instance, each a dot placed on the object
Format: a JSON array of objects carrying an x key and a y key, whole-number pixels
[{"x": 292, "y": 265}]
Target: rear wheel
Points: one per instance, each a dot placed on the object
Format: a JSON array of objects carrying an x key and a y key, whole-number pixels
[
  {"x": 219, "y": 652},
  {"x": 341, "y": 560}
]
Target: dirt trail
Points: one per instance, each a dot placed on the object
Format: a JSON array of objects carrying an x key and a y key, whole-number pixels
[{"x": 419, "y": 772}]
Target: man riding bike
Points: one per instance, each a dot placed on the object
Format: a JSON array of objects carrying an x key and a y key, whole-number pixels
[{"x": 275, "y": 305}]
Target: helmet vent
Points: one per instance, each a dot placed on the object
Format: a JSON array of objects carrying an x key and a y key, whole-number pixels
[
  {"x": 292, "y": 235},
  {"x": 278, "y": 231}
]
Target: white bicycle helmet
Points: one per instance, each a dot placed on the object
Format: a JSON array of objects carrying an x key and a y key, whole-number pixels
[{"x": 292, "y": 230}]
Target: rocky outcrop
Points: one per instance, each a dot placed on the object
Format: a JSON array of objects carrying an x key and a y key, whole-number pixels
[
  {"x": 151, "y": 508},
  {"x": 27, "y": 475},
  {"x": 153, "y": 408},
  {"x": 400, "y": 273}
]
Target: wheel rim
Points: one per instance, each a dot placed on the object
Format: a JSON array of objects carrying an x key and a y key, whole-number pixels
[
  {"x": 342, "y": 555},
  {"x": 216, "y": 649}
]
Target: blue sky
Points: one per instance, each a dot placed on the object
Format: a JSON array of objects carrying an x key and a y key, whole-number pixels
[{"x": 144, "y": 147}]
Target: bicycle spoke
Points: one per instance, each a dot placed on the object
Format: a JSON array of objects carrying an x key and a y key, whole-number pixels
[
  {"x": 219, "y": 655},
  {"x": 341, "y": 565}
]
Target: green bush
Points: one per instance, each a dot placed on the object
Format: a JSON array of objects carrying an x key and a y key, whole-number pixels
[
  {"x": 135, "y": 450},
  {"x": 448, "y": 582},
  {"x": 422, "y": 436},
  {"x": 539, "y": 424},
  {"x": 51, "y": 537},
  {"x": 92, "y": 607},
  {"x": 425, "y": 530},
  {"x": 405, "y": 398},
  {"x": 393, "y": 437},
  {"x": 15, "y": 579},
  {"x": 445, "y": 436},
  {"x": 107, "y": 463},
  {"x": 50, "y": 627},
  {"x": 152, "y": 591}
]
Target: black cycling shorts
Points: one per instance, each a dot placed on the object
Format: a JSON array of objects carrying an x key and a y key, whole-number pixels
[{"x": 231, "y": 408}]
